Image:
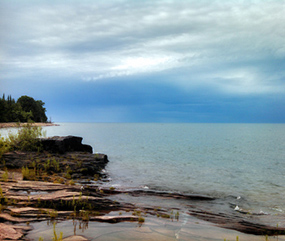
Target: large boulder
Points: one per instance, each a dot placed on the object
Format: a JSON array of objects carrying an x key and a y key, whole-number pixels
[{"x": 63, "y": 144}]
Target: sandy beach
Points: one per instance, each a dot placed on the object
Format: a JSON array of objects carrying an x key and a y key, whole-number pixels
[{"x": 15, "y": 124}]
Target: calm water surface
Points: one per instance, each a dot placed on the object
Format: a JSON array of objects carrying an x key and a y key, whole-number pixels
[{"x": 240, "y": 162}]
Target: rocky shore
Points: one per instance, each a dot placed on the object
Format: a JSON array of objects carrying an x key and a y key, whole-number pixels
[{"x": 64, "y": 182}]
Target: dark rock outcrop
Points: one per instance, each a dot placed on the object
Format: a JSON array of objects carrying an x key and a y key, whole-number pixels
[
  {"x": 63, "y": 157},
  {"x": 245, "y": 224},
  {"x": 63, "y": 144},
  {"x": 71, "y": 164}
]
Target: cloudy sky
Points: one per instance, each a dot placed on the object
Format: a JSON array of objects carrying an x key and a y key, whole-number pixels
[{"x": 146, "y": 61}]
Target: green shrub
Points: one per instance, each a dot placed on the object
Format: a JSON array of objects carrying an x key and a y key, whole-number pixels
[
  {"x": 5, "y": 176},
  {"x": 1, "y": 192},
  {"x": 29, "y": 174},
  {"x": 26, "y": 139},
  {"x": 4, "y": 147}
]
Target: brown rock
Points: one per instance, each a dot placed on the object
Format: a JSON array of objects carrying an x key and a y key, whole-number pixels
[
  {"x": 8, "y": 217},
  {"x": 8, "y": 232},
  {"x": 75, "y": 238}
]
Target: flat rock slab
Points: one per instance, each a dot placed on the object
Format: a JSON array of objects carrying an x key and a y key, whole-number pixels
[
  {"x": 34, "y": 185},
  {"x": 23, "y": 210},
  {"x": 245, "y": 224},
  {"x": 11, "y": 232},
  {"x": 75, "y": 238},
  {"x": 8, "y": 217},
  {"x": 114, "y": 219},
  {"x": 50, "y": 196}
]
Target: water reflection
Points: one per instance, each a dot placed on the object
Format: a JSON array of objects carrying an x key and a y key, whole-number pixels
[{"x": 186, "y": 228}]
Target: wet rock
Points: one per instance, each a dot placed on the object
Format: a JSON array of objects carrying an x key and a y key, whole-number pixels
[
  {"x": 75, "y": 238},
  {"x": 10, "y": 232},
  {"x": 238, "y": 223},
  {"x": 57, "y": 201},
  {"x": 8, "y": 217},
  {"x": 172, "y": 195},
  {"x": 54, "y": 203},
  {"x": 115, "y": 219}
]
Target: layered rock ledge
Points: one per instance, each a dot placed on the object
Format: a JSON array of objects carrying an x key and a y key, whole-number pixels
[{"x": 62, "y": 159}]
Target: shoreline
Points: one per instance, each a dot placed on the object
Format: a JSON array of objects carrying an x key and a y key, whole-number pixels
[
  {"x": 17, "y": 124},
  {"x": 49, "y": 192},
  {"x": 160, "y": 220}
]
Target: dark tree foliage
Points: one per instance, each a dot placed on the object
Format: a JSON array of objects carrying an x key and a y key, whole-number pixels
[{"x": 24, "y": 110}]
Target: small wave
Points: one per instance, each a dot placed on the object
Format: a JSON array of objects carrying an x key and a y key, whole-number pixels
[
  {"x": 261, "y": 213},
  {"x": 277, "y": 209},
  {"x": 237, "y": 208},
  {"x": 145, "y": 187}
]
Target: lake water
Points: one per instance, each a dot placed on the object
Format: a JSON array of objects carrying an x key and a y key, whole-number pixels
[
  {"x": 237, "y": 163},
  {"x": 241, "y": 162}
]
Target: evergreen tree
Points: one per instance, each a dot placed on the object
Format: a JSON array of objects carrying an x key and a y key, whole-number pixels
[
  {"x": 24, "y": 110},
  {"x": 3, "y": 117}
]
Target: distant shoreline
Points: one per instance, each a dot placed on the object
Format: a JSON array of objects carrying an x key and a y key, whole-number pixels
[{"x": 15, "y": 124}]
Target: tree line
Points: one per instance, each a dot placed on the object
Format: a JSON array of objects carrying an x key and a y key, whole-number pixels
[{"x": 25, "y": 109}]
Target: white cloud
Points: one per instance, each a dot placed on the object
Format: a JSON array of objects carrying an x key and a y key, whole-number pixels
[
  {"x": 210, "y": 40},
  {"x": 245, "y": 82}
]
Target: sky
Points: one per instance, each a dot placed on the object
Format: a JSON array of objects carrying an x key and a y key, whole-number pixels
[{"x": 206, "y": 61}]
